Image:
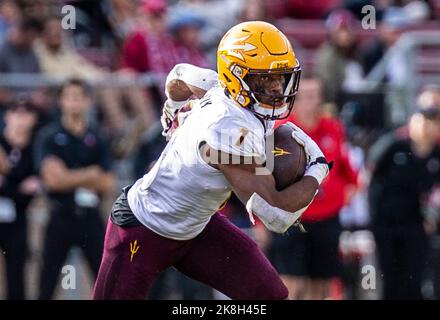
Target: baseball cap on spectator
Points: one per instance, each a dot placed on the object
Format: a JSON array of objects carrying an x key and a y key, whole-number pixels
[
  {"x": 340, "y": 18},
  {"x": 416, "y": 11},
  {"x": 154, "y": 6},
  {"x": 185, "y": 19}
]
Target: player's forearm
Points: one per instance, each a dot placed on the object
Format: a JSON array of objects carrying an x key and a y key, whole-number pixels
[
  {"x": 280, "y": 210},
  {"x": 291, "y": 199},
  {"x": 296, "y": 196}
]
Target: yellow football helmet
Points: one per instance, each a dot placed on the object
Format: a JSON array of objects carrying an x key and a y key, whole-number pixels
[{"x": 250, "y": 57}]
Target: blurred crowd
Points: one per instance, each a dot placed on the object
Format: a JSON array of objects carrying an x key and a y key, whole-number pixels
[{"x": 79, "y": 118}]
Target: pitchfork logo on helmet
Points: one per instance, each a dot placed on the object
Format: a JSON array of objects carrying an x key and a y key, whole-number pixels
[
  {"x": 258, "y": 69},
  {"x": 237, "y": 47}
]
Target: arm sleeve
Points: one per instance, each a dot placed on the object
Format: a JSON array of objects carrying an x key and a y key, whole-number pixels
[
  {"x": 190, "y": 74},
  {"x": 234, "y": 136}
]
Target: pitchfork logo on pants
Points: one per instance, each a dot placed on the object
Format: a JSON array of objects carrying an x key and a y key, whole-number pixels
[{"x": 133, "y": 249}]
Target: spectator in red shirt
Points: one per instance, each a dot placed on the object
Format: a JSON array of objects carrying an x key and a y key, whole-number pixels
[
  {"x": 308, "y": 261},
  {"x": 153, "y": 48},
  {"x": 185, "y": 29},
  {"x": 150, "y": 48}
]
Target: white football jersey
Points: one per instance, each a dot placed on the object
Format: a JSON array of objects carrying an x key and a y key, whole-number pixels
[{"x": 181, "y": 192}]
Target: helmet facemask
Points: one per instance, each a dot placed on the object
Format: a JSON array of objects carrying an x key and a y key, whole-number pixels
[{"x": 271, "y": 93}]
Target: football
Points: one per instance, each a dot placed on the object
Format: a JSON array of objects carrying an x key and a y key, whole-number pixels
[{"x": 289, "y": 158}]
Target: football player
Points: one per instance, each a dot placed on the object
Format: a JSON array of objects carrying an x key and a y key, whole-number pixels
[{"x": 168, "y": 217}]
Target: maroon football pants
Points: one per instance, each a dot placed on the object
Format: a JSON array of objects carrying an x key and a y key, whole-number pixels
[{"x": 222, "y": 256}]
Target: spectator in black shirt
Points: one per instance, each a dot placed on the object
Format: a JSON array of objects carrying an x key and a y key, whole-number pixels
[
  {"x": 74, "y": 162},
  {"x": 18, "y": 184},
  {"x": 405, "y": 169}
]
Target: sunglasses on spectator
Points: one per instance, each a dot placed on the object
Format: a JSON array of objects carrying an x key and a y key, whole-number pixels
[{"x": 431, "y": 113}]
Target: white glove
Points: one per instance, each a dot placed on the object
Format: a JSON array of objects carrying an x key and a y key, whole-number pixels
[
  {"x": 317, "y": 165},
  {"x": 198, "y": 77},
  {"x": 169, "y": 112},
  {"x": 172, "y": 118}
]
